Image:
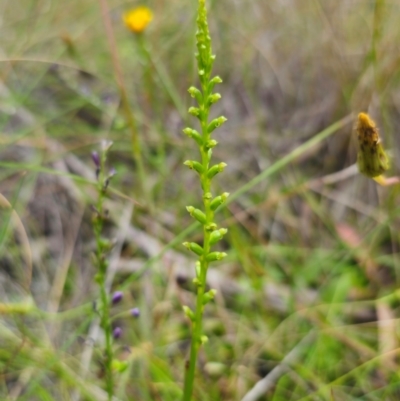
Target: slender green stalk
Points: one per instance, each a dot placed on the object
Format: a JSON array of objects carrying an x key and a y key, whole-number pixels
[
  {"x": 102, "y": 248},
  {"x": 205, "y": 98},
  {"x": 126, "y": 108}
]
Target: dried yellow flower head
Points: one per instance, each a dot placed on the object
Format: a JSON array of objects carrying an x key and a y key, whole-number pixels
[
  {"x": 372, "y": 160},
  {"x": 137, "y": 19}
]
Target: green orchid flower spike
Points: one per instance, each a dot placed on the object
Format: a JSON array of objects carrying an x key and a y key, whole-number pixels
[{"x": 212, "y": 234}]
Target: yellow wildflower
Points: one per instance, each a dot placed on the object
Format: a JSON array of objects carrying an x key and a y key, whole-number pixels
[
  {"x": 137, "y": 19},
  {"x": 371, "y": 159}
]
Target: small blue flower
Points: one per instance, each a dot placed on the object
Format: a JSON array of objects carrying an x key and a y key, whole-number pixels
[
  {"x": 96, "y": 159},
  {"x": 135, "y": 312},
  {"x": 117, "y": 297},
  {"x": 117, "y": 332}
]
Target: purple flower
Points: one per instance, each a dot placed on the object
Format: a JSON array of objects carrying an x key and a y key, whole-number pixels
[
  {"x": 96, "y": 159},
  {"x": 112, "y": 172},
  {"x": 117, "y": 332},
  {"x": 117, "y": 297},
  {"x": 135, "y": 312},
  {"x": 106, "y": 145}
]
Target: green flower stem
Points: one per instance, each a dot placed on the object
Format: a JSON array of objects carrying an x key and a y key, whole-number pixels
[
  {"x": 102, "y": 248},
  {"x": 105, "y": 324},
  {"x": 196, "y": 338},
  {"x": 126, "y": 108},
  {"x": 198, "y": 319},
  {"x": 205, "y": 98}
]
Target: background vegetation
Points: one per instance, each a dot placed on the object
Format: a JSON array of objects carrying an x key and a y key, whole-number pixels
[{"x": 308, "y": 296}]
